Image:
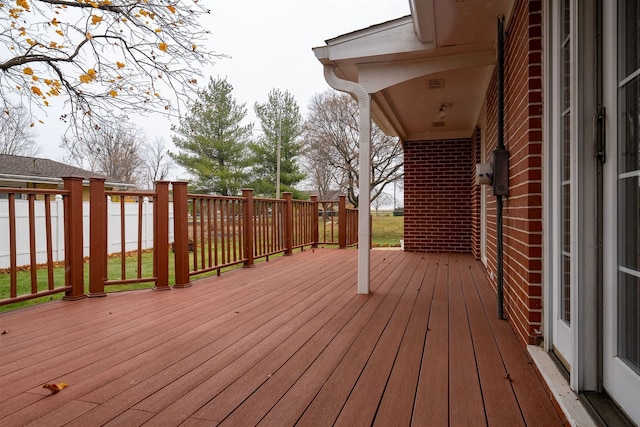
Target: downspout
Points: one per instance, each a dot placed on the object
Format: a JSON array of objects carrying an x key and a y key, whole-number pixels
[
  {"x": 501, "y": 147},
  {"x": 364, "y": 187}
]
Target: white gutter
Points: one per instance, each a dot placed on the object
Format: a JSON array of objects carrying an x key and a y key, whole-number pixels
[{"x": 364, "y": 188}]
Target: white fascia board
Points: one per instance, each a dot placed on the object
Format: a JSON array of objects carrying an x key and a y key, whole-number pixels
[
  {"x": 29, "y": 179},
  {"x": 322, "y": 54},
  {"x": 390, "y": 38},
  {"x": 423, "y": 20}
]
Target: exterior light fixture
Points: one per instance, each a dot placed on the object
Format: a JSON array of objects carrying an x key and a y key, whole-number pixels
[{"x": 441, "y": 114}]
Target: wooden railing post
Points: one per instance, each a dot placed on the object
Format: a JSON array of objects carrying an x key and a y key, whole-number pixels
[
  {"x": 73, "y": 253},
  {"x": 314, "y": 222},
  {"x": 288, "y": 223},
  {"x": 247, "y": 194},
  {"x": 342, "y": 222},
  {"x": 97, "y": 238},
  {"x": 161, "y": 236},
  {"x": 181, "y": 234}
]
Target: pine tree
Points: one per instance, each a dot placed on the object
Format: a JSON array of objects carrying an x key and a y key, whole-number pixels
[
  {"x": 281, "y": 124},
  {"x": 213, "y": 143}
]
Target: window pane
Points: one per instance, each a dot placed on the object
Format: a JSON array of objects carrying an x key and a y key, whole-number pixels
[
  {"x": 565, "y": 156},
  {"x": 566, "y": 18},
  {"x": 566, "y": 289},
  {"x": 628, "y": 127},
  {"x": 566, "y": 76},
  {"x": 566, "y": 147},
  {"x": 565, "y": 292},
  {"x": 629, "y": 320},
  {"x": 628, "y": 223},
  {"x": 628, "y": 38},
  {"x": 628, "y": 287}
]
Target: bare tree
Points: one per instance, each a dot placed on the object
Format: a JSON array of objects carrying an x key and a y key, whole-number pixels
[
  {"x": 319, "y": 173},
  {"x": 157, "y": 160},
  {"x": 101, "y": 56},
  {"x": 17, "y": 137},
  {"x": 331, "y": 139},
  {"x": 116, "y": 152},
  {"x": 379, "y": 201}
]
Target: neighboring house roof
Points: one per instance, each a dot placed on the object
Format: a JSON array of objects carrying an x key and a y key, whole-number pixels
[{"x": 35, "y": 169}]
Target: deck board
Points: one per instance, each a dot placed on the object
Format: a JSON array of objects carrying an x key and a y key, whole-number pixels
[
  {"x": 370, "y": 388},
  {"x": 432, "y": 395},
  {"x": 311, "y": 339},
  {"x": 465, "y": 401},
  {"x": 501, "y": 406},
  {"x": 396, "y": 404},
  {"x": 196, "y": 376},
  {"x": 293, "y": 403},
  {"x": 287, "y": 342},
  {"x": 328, "y": 403},
  {"x": 526, "y": 386}
]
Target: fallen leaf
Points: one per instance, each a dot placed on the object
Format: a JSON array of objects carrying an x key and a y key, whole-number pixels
[
  {"x": 5, "y": 332},
  {"x": 54, "y": 388}
]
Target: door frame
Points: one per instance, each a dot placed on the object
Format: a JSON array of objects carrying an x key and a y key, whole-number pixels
[{"x": 582, "y": 356}]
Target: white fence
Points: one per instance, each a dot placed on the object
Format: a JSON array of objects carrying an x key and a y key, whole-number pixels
[{"x": 57, "y": 229}]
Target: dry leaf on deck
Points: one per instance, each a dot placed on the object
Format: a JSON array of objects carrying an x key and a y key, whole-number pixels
[{"x": 54, "y": 388}]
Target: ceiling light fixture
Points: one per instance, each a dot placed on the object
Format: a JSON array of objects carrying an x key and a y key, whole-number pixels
[{"x": 441, "y": 114}]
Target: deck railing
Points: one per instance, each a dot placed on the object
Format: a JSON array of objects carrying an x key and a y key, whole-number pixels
[
  {"x": 209, "y": 233},
  {"x": 30, "y": 225},
  {"x": 98, "y": 274}
]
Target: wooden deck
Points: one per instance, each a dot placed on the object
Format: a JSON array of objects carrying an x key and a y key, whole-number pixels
[{"x": 287, "y": 342}]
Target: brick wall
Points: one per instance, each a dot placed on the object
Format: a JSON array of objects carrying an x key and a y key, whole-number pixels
[
  {"x": 523, "y": 138},
  {"x": 437, "y": 195}
]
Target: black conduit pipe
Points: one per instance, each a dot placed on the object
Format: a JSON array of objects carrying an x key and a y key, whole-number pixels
[{"x": 499, "y": 249}]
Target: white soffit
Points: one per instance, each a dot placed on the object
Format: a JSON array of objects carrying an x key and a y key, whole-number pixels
[{"x": 459, "y": 22}]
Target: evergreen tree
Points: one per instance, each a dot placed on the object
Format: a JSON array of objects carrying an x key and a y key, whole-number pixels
[
  {"x": 281, "y": 122},
  {"x": 212, "y": 141}
]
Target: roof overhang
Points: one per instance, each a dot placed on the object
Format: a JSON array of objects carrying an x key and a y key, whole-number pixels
[{"x": 428, "y": 72}]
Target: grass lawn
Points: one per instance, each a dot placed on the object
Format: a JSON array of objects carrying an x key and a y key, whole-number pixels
[{"x": 387, "y": 231}]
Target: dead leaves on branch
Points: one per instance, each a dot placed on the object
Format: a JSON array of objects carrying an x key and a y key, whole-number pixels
[{"x": 84, "y": 46}]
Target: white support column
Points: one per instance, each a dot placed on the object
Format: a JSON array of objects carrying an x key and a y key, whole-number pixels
[
  {"x": 364, "y": 197},
  {"x": 364, "y": 189}
]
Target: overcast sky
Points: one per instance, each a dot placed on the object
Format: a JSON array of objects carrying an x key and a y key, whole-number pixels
[{"x": 269, "y": 46}]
